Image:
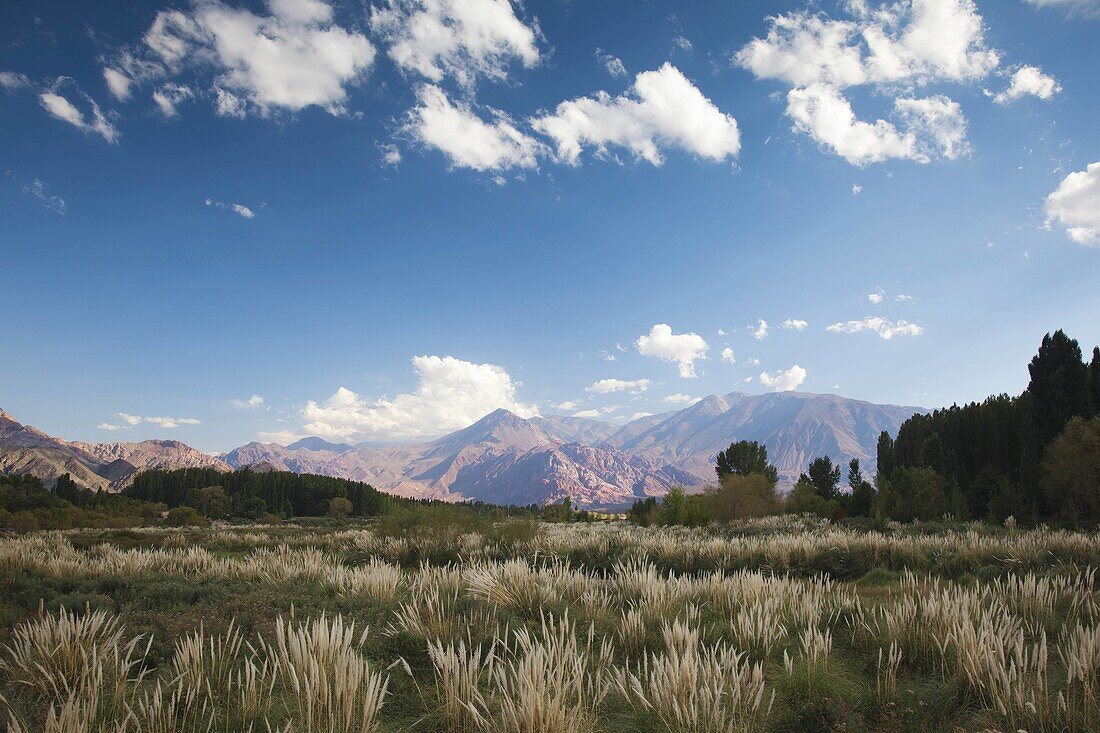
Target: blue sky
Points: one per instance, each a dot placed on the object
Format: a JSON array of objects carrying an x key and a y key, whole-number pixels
[{"x": 470, "y": 197}]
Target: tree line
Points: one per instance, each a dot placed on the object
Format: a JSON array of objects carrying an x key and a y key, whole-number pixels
[{"x": 1034, "y": 457}]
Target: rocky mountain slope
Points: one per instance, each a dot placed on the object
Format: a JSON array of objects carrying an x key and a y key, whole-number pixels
[
  {"x": 796, "y": 427},
  {"x": 501, "y": 458},
  {"x": 108, "y": 466},
  {"x": 505, "y": 459}
]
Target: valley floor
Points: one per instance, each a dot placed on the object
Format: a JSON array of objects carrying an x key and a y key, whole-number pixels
[{"x": 782, "y": 624}]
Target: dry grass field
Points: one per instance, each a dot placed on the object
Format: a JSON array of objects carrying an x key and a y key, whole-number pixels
[{"x": 782, "y": 624}]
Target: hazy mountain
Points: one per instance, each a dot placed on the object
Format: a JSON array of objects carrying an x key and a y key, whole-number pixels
[
  {"x": 27, "y": 450},
  {"x": 795, "y": 427},
  {"x": 503, "y": 458},
  {"x": 583, "y": 430}
]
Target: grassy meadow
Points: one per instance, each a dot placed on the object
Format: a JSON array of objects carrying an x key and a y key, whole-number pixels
[{"x": 777, "y": 624}]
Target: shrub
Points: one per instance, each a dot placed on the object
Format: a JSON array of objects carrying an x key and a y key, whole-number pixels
[{"x": 185, "y": 516}]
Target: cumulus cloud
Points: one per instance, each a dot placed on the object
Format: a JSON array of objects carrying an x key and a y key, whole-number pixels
[
  {"x": 254, "y": 402},
  {"x": 1075, "y": 205},
  {"x": 681, "y": 399},
  {"x": 661, "y": 110},
  {"x": 587, "y": 413},
  {"x": 467, "y": 140},
  {"x": 62, "y": 108},
  {"x": 795, "y": 324},
  {"x": 640, "y": 415},
  {"x": 874, "y": 324},
  {"x": 607, "y": 386},
  {"x": 129, "y": 421},
  {"x": 567, "y": 405},
  {"x": 613, "y": 65},
  {"x": 682, "y": 348},
  {"x": 856, "y": 189},
  {"x": 1025, "y": 81},
  {"x": 451, "y": 394},
  {"x": 784, "y": 380},
  {"x": 462, "y": 39},
  {"x": 931, "y": 128},
  {"x": 728, "y": 356},
  {"x": 895, "y": 46},
  {"x": 877, "y": 297},
  {"x": 911, "y": 41},
  {"x": 292, "y": 58},
  {"x": 761, "y": 330}
]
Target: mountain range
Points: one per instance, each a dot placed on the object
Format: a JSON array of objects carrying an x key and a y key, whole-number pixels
[{"x": 505, "y": 459}]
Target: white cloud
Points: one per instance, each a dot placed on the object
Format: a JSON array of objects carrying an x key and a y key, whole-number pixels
[
  {"x": 587, "y": 413},
  {"x": 567, "y": 405},
  {"x": 254, "y": 402},
  {"x": 640, "y": 415},
  {"x": 169, "y": 96},
  {"x": 682, "y": 43},
  {"x": 463, "y": 39},
  {"x": 761, "y": 330},
  {"x": 290, "y": 59},
  {"x": 1075, "y": 204},
  {"x": 118, "y": 83},
  {"x": 754, "y": 361},
  {"x": 1086, "y": 8},
  {"x": 884, "y": 328},
  {"x": 933, "y": 127},
  {"x": 911, "y": 41},
  {"x": 681, "y": 399},
  {"x": 613, "y": 65},
  {"x": 877, "y": 297},
  {"x": 893, "y": 47},
  {"x": 168, "y": 423},
  {"x": 785, "y": 380},
  {"x": 903, "y": 298},
  {"x": 63, "y": 109},
  {"x": 746, "y": 380},
  {"x": 240, "y": 209},
  {"x": 794, "y": 324},
  {"x": 391, "y": 156},
  {"x": 728, "y": 356},
  {"x": 856, "y": 189},
  {"x": 11, "y": 81},
  {"x": 467, "y": 140},
  {"x": 607, "y": 386},
  {"x": 608, "y": 356},
  {"x": 721, "y": 332},
  {"x": 661, "y": 110},
  {"x": 282, "y": 437},
  {"x": 451, "y": 394},
  {"x": 1028, "y": 80},
  {"x": 682, "y": 348},
  {"x": 40, "y": 191}
]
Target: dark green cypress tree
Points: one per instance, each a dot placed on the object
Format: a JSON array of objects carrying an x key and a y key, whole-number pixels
[
  {"x": 884, "y": 462},
  {"x": 1059, "y": 386}
]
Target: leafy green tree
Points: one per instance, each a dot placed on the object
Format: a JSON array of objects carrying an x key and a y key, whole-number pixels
[
  {"x": 740, "y": 497},
  {"x": 805, "y": 499},
  {"x": 863, "y": 494},
  {"x": 1071, "y": 471},
  {"x": 745, "y": 457},
  {"x": 339, "y": 507},
  {"x": 185, "y": 516},
  {"x": 914, "y": 494},
  {"x": 645, "y": 512},
  {"x": 824, "y": 476},
  {"x": 209, "y": 500}
]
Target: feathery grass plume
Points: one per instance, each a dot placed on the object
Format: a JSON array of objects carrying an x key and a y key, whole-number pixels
[
  {"x": 377, "y": 579},
  {"x": 632, "y": 631},
  {"x": 693, "y": 688},
  {"x": 513, "y": 584},
  {"x": 886, "y": 678},
  {"x": 758, "y": 628},
  {"x": 550, "y": 682},
  {"x": 81, "y": 663},
  {"x": 173, "y": 709},
  {"x": 460, "y": 671},
  {"x": 331, "y": 686}
]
